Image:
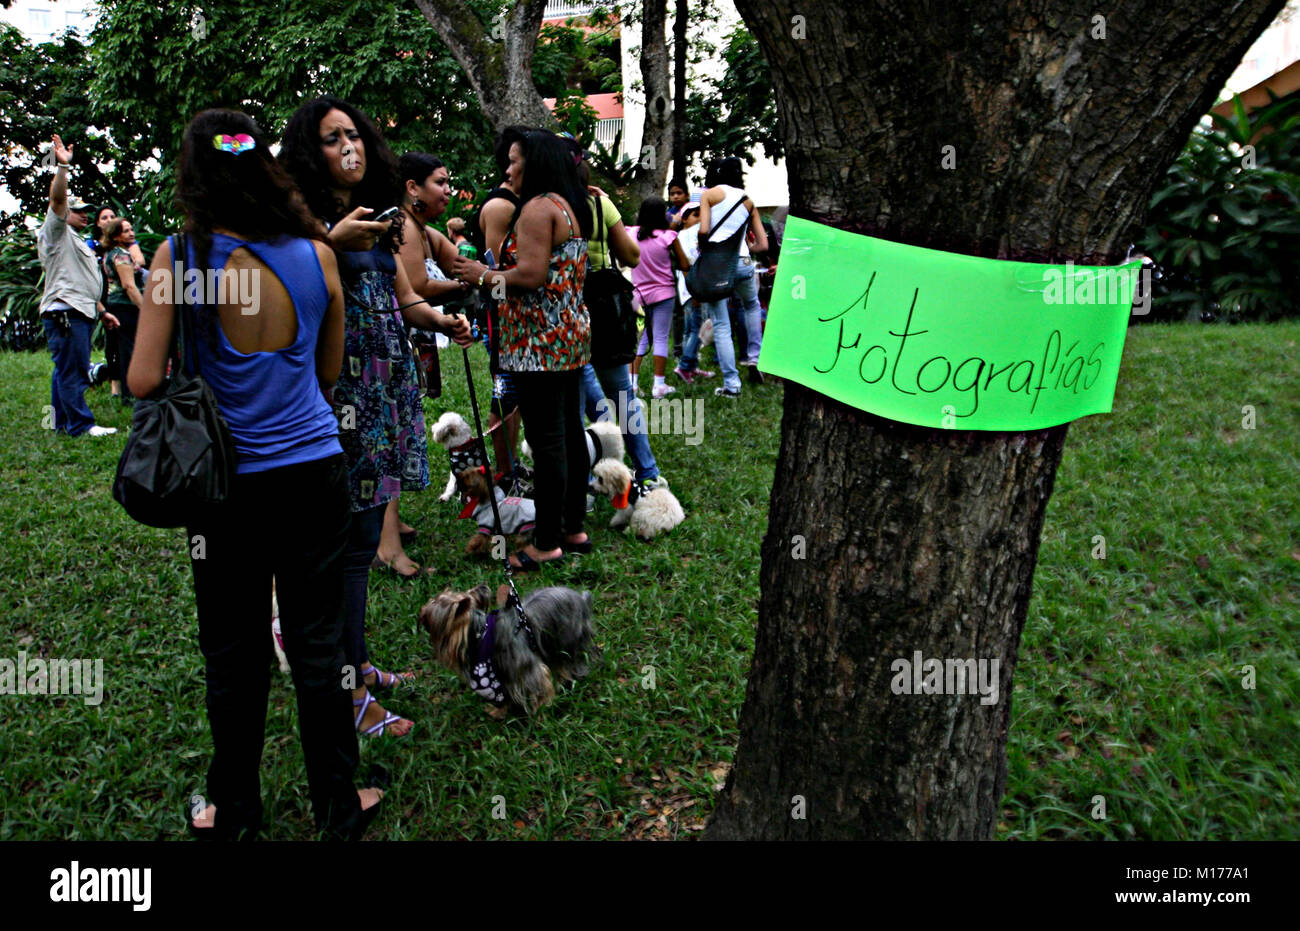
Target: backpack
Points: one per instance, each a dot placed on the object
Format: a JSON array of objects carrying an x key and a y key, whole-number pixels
[{"x": 711, "y": 277}]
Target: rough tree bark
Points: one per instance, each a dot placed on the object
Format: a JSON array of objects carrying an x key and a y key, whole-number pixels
[
  {"x": 920, "y": 539},
  {"x": 680, "y": 21},
  {"x": 498, "y": 60},
  {"x": 658, "y": 131}
]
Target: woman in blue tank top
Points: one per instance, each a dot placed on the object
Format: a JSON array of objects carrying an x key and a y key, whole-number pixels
[
  {"x": 267, "y": 316},
  {"x": 346, "y": 172}
]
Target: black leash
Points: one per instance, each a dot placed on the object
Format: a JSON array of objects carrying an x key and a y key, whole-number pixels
[{"x": 521, "y": 619}]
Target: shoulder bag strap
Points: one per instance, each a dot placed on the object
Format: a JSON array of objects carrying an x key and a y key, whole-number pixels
[
  {"x": 727, "y": 217},
  {"x": 184, "y": 334}
]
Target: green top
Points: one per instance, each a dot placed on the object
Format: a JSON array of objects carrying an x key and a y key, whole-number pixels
[{"x": 597, "y": 254}]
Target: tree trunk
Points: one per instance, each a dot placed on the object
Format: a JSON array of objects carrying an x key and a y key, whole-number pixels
[
  {"x": 925, "y": 540},
  {"x": 657, "y": 135},
  {"x": 498, "y": 60},
  {"x": 680, "y": 22}
]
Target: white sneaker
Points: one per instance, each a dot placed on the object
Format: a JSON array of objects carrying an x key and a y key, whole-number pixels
[
  {"x": 660, "y": 391},
  {"x": 97, "y": 430}
]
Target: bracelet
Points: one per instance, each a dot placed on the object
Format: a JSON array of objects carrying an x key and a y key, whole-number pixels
[{"x": 482, "y": 278}]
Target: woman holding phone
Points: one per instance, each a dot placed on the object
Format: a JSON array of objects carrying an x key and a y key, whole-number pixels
[{"x": 347, "y": 174}]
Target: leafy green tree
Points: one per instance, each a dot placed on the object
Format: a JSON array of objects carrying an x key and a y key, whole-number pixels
[
  {"x": 1224, "y": 223},
  {"x": 267, "y": 59},
  {"x": 734, "y": 114},
  {"x": 42, "y": 92}
]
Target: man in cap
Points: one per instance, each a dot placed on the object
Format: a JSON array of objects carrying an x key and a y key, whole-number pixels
[{"x": 70, "y": 302}]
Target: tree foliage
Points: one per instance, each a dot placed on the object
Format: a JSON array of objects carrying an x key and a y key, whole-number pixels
[
  {"x": 1224, "y": 225},
  {"x": 42, "y": 92},
  {"x": 267, "y": 59},
  {"x": 585, "y": 58},
  {"x": 736, "y": 113}
]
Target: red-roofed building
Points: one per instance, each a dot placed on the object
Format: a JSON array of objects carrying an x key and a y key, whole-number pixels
[{"x": 609, "y": 117}]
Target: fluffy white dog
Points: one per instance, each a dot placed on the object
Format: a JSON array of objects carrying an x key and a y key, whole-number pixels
[
  {"x": 648, "y": 511},
  {"x": 453, "y": 432}
]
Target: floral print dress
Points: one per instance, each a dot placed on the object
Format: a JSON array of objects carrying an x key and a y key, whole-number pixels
[
  {"x": 548, "y": 330},
  {"x": 377, "y": 398}
]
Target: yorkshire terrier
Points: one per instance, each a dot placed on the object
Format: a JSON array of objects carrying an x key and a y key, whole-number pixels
[
  {"x": 518, "y": 515},
  {"x": 492, "y": 653}
]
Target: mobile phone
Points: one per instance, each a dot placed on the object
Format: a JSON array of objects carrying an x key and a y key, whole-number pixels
[{"x": 386, "y": 215}]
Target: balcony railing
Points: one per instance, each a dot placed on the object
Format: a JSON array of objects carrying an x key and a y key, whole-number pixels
[
  {"x": 607, "y": 131},
  {"x": 562, "y": 10}
]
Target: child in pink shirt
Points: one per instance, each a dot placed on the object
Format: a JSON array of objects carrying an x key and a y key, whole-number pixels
[{"x": 656, "y": 284}]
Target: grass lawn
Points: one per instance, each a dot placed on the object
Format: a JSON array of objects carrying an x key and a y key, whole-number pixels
[{"x": 1129, "y": 684}]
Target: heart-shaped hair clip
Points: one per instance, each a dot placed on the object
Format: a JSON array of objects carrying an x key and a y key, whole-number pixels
[{"x": 235, "y": 145}]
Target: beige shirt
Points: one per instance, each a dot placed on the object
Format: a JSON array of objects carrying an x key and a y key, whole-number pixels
[{"x": 71, "y": 270}]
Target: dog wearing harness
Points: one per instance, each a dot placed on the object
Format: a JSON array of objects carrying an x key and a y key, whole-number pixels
[{"x": 495, "y": 657}]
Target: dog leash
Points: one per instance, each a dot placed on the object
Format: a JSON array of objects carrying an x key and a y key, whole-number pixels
[
  {"x": 521, "y": 617},
  {"x": 521, "y": 620}
]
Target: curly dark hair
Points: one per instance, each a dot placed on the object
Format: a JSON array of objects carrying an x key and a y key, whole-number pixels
[
  {"x": 248, "y": 193},
  {"x": 301, "y": 156}
]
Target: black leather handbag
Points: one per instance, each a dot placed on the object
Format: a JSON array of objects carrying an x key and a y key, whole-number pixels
[
  {"x": 179, "y": 461},
  {"x": 608, "y": 296}
]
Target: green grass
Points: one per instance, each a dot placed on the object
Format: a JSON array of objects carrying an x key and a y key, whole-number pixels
[{"x": 1128, "y": 684}]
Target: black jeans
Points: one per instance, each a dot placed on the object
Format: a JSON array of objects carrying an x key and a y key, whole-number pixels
[
  {"x": 289, "y": 523},
  {"x": 128, "y": 315},
  {"x": 551, "y": 406},
  {"x": 363, "y": 544}
]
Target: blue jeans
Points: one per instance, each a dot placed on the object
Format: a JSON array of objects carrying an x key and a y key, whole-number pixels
[
  {"x": 611, "y": 383},
  {"x": 746, "y": 286},
  {"x": 71, "y": 375}
]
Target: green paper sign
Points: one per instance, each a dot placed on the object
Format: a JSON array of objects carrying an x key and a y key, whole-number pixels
[{"x": 945, "y": 340}]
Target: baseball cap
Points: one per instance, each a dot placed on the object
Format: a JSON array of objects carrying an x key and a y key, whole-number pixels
[{"x": 77, "y": 204}]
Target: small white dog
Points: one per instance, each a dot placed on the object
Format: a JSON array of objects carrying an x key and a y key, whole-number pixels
[
  {"x": 604, "y": 441},
  {"x": 453, "y": 432},
  {"x": 649, "y": 512}
]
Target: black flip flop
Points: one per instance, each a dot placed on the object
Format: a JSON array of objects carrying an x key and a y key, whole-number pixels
[
  {"x": 578, "y": 549},
  {"x": 528, "y": 564}
]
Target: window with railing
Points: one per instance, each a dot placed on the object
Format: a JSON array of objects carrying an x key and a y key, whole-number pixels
[
  {"x": 608, "y": 132},
  {"x": 563, "y": 10}
]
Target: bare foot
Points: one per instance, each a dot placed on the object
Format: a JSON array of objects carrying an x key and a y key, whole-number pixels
[
  {"x": 401, "y": 564},
  {"x": 369, "y": 797},
  {"x": 206, "y": 818}
]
